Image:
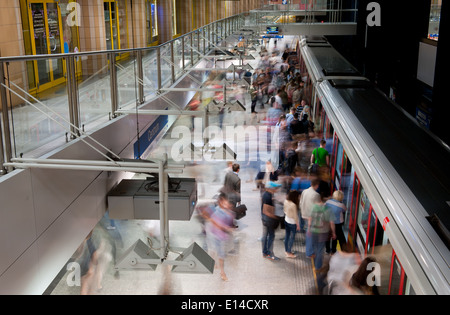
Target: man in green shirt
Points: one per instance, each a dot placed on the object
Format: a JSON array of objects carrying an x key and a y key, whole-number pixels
[{"x": 320, "y": 156}]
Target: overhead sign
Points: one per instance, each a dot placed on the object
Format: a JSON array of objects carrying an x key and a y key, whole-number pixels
[{"x": 149, "y": 135}]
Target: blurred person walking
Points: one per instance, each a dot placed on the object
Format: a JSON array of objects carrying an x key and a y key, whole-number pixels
[
  {"x": 219, "y": 229},
  {"x": 292, "y": 222},
  {"x": 338, "y": 208},
  {"x": 269, "y": 220},
  {"x": 359, "y": 281},
  {"x": 308, "y": 198},
  {"x": 320, "y": 223},
  {"x": 342, "y": 265},
  {"x": 232, "y": 185}
]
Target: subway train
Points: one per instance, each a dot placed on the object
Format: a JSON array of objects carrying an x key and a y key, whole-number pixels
[{"x": 393, "y": 173}]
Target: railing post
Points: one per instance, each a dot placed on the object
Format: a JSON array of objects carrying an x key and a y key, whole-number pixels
[
  {"x": 6, "y": 151},
  {"x": 208, "y": 30},
  {"x": 204, "y": 40},
  {"x": 182, "y": 53},
  {"x": 158, "y": 67},
  {"x": 113, "y": 84},
  {"x": 72, "y": 93},
  {"x": 192, "y": 50},
  {"x": 172, "y": 63},
  {"x": 140, "y": 75},
  {"x": 198, "y": 42}
]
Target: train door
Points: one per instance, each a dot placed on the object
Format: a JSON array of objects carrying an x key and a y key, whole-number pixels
[
  {"x": 325, "y": 127},
  {"x": 351, "y": 227},
  {"x": 399, "y": 283},
  {"x": 365, "y": 228},
  {"x": 342, "y": 176},
  {"x": 334, "y": 164},
  {"x": 339, "y": 165},
  {"x": 375, "y": 233},
  {"x": 45, "y": 24}
]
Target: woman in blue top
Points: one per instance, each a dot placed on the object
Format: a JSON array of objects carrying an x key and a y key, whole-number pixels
[{"x": 338, "y": 208}]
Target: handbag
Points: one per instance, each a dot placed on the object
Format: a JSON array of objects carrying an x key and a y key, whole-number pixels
[
  {"x": 313, "y": 168},
  {"x": 241, "y": 211},
  {"x": 269, "y": 211}
]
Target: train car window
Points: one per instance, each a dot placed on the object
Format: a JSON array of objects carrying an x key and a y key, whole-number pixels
[
  {"x": 397, "y": 277},
  {"x": 323, "y": 117},
  {"x": 363, "y": 219},
  {"x": 335, "y": 183},
  {"x": 326, "y": 128},
  {"x": 339, "y": 164},
  {"x": 353, "y": 209},
  {"x": 316, "y": 108},
  {"x": 409, "y": 290},
  {"x": 330, "y": 130},
  {"x": 347, "y": 187},
  {"x": 347, "y": 180},
  {"x": 372, "y": 232},
  {"x": 302, "y": 64},
  {"x": 308, "y": 88}
]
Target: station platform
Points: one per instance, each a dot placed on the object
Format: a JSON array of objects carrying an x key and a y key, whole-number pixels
[{"x": 247, "y": 271}]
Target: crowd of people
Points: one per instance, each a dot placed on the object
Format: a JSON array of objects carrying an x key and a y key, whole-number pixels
[{"x": 295, "y": 192}]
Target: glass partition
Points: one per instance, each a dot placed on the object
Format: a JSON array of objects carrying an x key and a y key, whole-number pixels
[
  {"x": 84, "y": 95},
  {"x": 94, "y": 90},
  {"x": 166, "y": 65},
  {"x": 150, "y": 72},
  {"x": 187, "y": 52},
  {"x": 88, "y": 87},
  {"x": 178, "y": 57},
  {"x": 127, "y": 80},
  {"x": 201, "y": 39},
  {"x": 36, "y": 120},
  {"x": 195, "y": 47}
]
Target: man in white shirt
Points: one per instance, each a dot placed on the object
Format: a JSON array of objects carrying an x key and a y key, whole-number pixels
[{"x": 308, "y": 198}]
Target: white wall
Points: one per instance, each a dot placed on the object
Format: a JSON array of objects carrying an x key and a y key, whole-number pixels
[{"x": 46, "y": 214}]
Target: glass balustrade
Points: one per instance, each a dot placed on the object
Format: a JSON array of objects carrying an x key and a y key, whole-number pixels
[
  {"x": 94, "y": 85},
  {"x": 94, "y": 90},
  {"x": 35, "y": 119}
]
